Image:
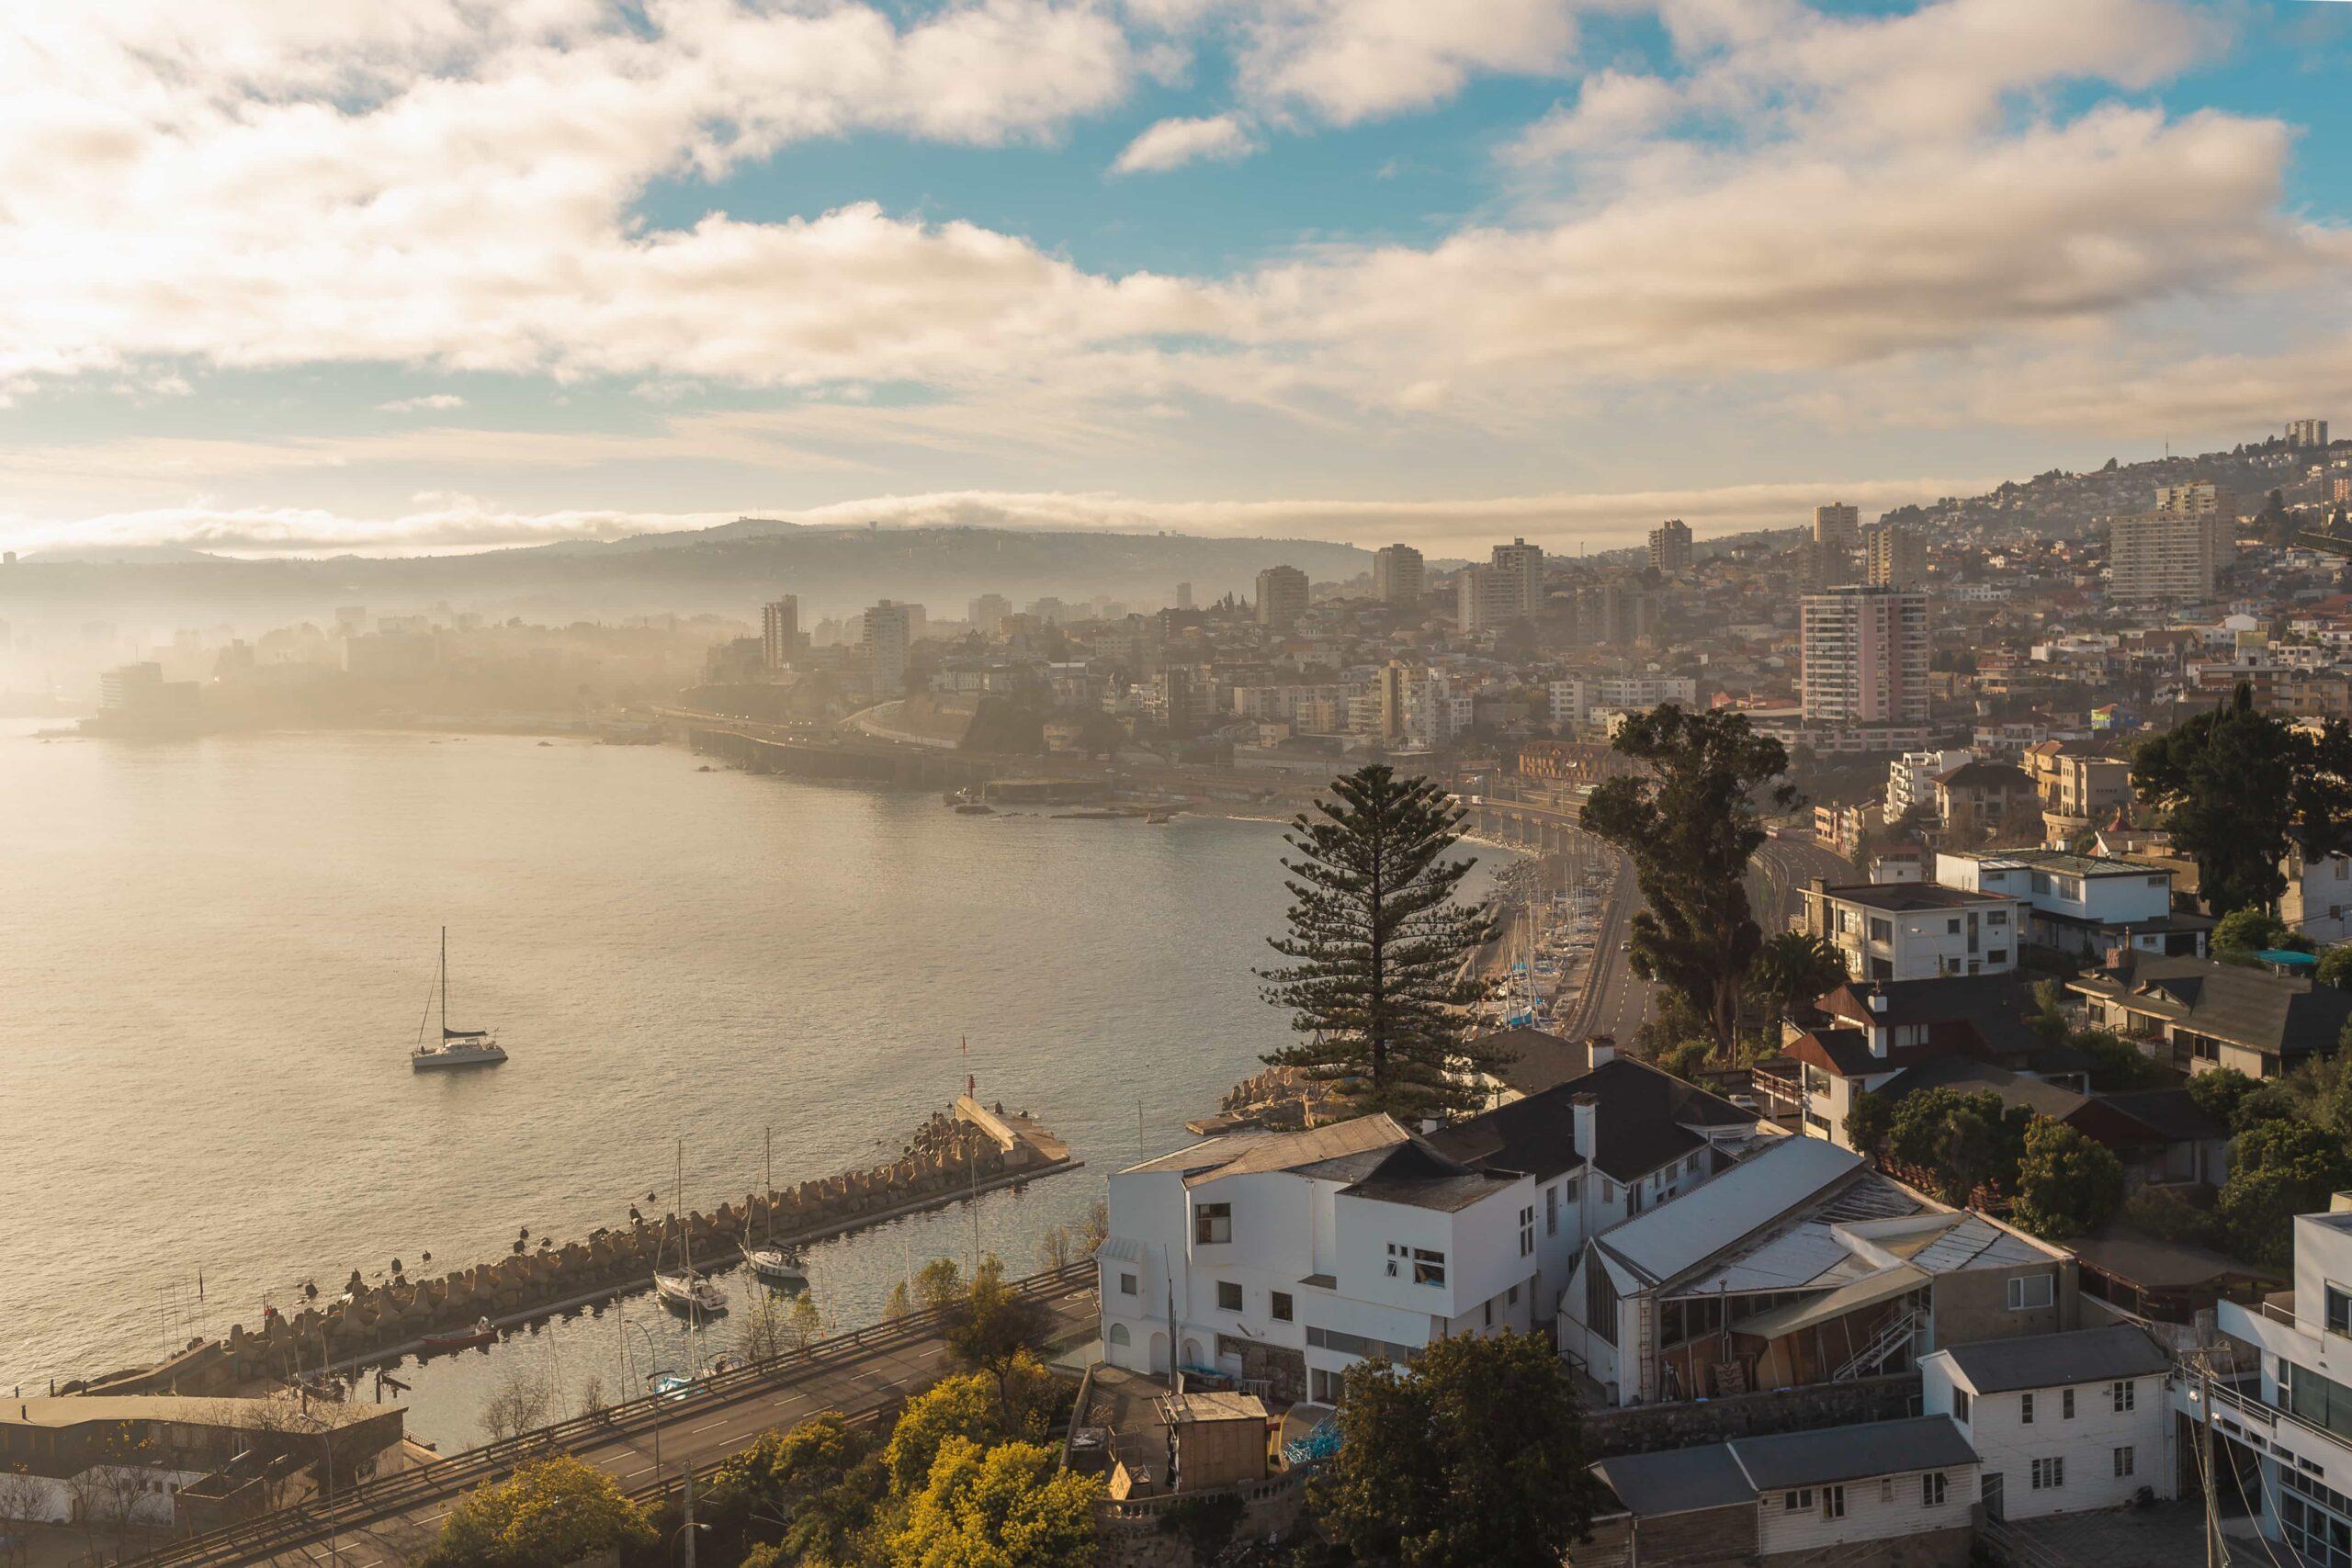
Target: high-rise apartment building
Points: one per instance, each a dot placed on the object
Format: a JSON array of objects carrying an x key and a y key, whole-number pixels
[
  {"x": 2307, "y": 432},
  {"x": 2199, "y": 500},
  {"x": 1183, "y": 595},
  {"x": 987, "y": 611},
  {"x": 1520, "y": 566},
  {"x": 1281, "y": 597},
  {"x": 1836, "y": 526},
  {"x": 1393, "y": 685},
  {"x": 1865, "y": 656},
  {"x": 1894, "y": 556},
  {"x": 889, "y": 634},
  {"x": 2175, "y": 552},
  {"x": 1670, "y": 545},
  {"x": 1397, "y": 573},
  {"x": 780, "y": 631}
]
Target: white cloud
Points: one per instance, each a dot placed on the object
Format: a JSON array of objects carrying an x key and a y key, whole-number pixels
[
  {"x": 1612, "y": 107},
  {"x": 1172, "y": 143},
  {"x": 1347, "y": 61},
  {"x": 430, "y": 401}
]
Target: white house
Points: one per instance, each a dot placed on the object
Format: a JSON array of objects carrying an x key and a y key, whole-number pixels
[
  {"x": 1286, "y": 1258},
  {"x": 1911, "y": 778},
  {"x": 2061, "y": 1422},
  {"x": 1794, "y": 1497},
  {"x": 2294, "y": 1427},
  {"x": 1915, "y": 930},
  {"x": 2318, "y": 901},
  {"x": 2081, "y": 904}
]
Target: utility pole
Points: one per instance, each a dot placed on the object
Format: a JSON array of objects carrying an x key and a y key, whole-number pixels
[{"x": 690, "y": 1516}]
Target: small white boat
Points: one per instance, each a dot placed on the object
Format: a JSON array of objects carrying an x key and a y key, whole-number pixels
[
  {"x": 457, "y": 1047},
  {"x": 688, "y": 1290},
  {"x": 779, "y": 1265}
]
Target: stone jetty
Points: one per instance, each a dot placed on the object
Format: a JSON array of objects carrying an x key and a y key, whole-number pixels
[{"x": 948, "y": 1158}]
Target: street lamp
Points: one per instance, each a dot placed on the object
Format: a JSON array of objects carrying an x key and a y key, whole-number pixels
[{"x": 653, "y": 1355}]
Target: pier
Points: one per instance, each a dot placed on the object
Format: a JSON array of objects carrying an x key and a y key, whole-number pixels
[{"x": 952, "y": 1157}]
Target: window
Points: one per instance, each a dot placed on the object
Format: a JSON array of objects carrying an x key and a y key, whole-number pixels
[
  {"x": 1600, "y": 1301},
  {"x": 1691, "y": 1165},
  {"x": 1933, "y": 1486},
  {"x": 1551, "y": 1211},
  {"x": 1571, "y": 1187},
  {"x": 1960, "y": 1404},
  {"x": 1228, "y": 1296},
  {"x": 1119, "y": 1334},
  {"x": 2025, "y": 1410},
  {"x": 2124, "y": 1458},
  {"x": 1322, "y": 1386},
  {"x": 2066, "y": 1403},
  {"x": 1126, "y": 1285},
  {"x": 2123, "y": 1395},
  {"x": 2049, "y": 1474},
  {"x": 1527, "y": 1230},
  {"x": 1951, "y": 927},
  {"x": 1429, "y": 1268},
  {"x": 2339, "y": 1310},
  {"x": 1882, "y": 931},
  {"x": 1608, "y": 1190},
  {"x": 1996, "y": 955},
  {"x": 1632, "y": 1201},
  {"x": 1798, "y": 1500},
  {"x": 1833, "y": 1502},
  {"x": 1281, "y": 1307},
  {"x": 1212, "y": 1223},
  {"x": 2028, "y": 1291}
]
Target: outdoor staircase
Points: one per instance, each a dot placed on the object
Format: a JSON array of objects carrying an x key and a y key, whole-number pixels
[{"x": 1896, "y": 1334}]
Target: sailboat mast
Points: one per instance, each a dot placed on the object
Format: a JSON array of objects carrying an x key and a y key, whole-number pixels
[
  {"x": 685, "y": 1231},
  {"x": 445, "y": 981}
]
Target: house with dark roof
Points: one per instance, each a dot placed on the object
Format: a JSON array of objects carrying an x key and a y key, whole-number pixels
[
  {"x": 1987, "y": 802},
  {"x": 1794, "y": 1498},
  {"x": 2060, "y": 1422},
  {"x": 1283, "y": 1259},
  {"x": 2083, "y": 904},
  {"x": 2197, "y": 1014}
]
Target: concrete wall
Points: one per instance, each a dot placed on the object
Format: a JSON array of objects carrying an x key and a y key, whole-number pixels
[
  {"x": 1973, "y": 1305},
  {"x": 1644, "y": 1428}
]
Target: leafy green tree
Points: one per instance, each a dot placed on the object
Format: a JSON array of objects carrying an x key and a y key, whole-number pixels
[
  {"x": 2067, "y": 1182},
  {"x": 2335, "y": 966},
  {"x": 816, "y": 1485},
  {"x": 1009, "y": 1507},
  {"x": 550, "y": 1514},
  {"x": 2162, "y": 1213},
  {"x": 2248, "y": 929},
  {"x": 2279, "y": 1169},
  {"x": 1690, "y": 823},
  {"x": 1471, "y": 1458},
  {"x": 1956, "y": 1143},
  {"x": 2233, "y": 783},
  {"x": 1687, "y": 1059},
  {"x": 1792, "y": 967},
  {"x": 991, "y": 1327},
  {"x": 938, "y": 1282},
  {"x": 2219, "y": 1092},
  {"x": 2117, "y": 1063},
  {"x": 954, "y": 1407},
  {"x": 1379, "y": 983},
  {"x": 1870, "y": 1119}
]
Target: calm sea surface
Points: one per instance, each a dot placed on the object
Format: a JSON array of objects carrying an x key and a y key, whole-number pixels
[{"x": 215, "y": 955}]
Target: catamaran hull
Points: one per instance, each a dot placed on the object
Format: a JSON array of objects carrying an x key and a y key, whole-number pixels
[{"x": 443, "y": 1060}]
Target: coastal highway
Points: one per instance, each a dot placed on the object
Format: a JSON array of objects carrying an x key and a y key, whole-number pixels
[
  {"x": 390, "y": 1522},
  {"x": 1777, "y": 878}
]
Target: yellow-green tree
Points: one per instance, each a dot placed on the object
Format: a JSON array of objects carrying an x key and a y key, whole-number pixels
[
  {"x": 1002, "y": 1508},
  {"x": 548, "y": 1514}
]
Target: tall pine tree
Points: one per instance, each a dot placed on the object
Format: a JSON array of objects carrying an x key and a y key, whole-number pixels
[{"x": 1379, "y": 983}]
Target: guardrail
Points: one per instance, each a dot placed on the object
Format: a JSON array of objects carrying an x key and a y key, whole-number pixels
[{"x": 286, "y": 1528}]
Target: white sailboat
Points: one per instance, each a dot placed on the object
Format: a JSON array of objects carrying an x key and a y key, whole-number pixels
[
  {"x": 769, "y": 1261},
  {"x": 681, "y": 1287},
  {"x": 457, "y": 1047}
]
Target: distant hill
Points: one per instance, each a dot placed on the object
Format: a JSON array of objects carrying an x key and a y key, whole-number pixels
[{"x": 729, "y": 569}]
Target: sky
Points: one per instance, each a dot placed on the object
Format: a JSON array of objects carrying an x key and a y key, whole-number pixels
[{"x": 309, "y": 276}]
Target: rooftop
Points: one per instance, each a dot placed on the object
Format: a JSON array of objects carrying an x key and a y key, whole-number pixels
[
  {"x": 1645, "y": 1118},
  {"x": 1242, "y": 1153},
  {"x": 2053, "y": 1361},
  {"x": 1677, "y": 1236},
  {"x": 1677, "y": 1481},
  {"x": 1904, "y": 898},
  {"x": 1849, "y": 1453},
  {"x": 2056, "y": 860}
]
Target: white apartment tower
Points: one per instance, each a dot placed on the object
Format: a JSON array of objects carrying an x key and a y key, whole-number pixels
[
  {"x": 779, "y": 631},
  {"x": 1397, "y": 571},
  {"x": 2176, "y": 551},
  {"x": 1865, "y": 656},
  {"x": 2307, "y": 432},
  {"x": 1281, "y": 597},
  {"x": 890, "y": 633}
]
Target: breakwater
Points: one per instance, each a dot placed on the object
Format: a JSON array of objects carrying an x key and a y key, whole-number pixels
[{"x": 972, "y": 1148}]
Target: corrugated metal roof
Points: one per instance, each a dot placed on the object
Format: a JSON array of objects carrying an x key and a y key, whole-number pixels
[
  {"x": 1883, "y": 1286},
  {"x": 1687, "y": 1230},
  {"x": 1243, "y": 1154}
]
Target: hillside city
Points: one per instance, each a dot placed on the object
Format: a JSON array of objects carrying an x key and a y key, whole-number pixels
[{"x": 1897, "y": 1110}]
